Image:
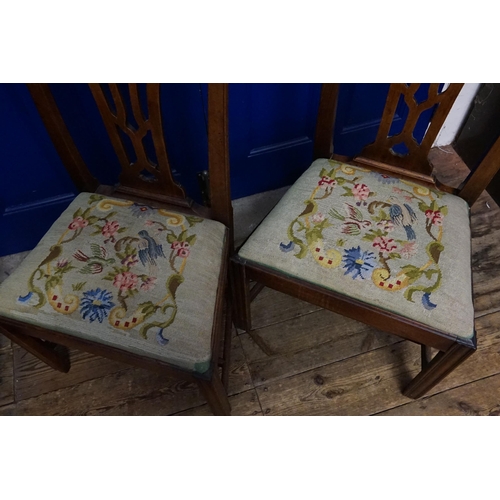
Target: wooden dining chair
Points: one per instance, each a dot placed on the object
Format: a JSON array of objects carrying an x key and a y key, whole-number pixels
[
  {"x": 376, "y": 238},
  {"x": 134, "y": 272}
]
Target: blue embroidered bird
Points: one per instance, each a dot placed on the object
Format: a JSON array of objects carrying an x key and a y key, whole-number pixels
[
  {"x": 149, "y": 249},
  {"x": 404, "y": 216}
]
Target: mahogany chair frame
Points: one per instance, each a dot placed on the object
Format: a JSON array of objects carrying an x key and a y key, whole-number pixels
[
  {"x": 378, "y": 156},
  {"x": 165, "y": 193}
]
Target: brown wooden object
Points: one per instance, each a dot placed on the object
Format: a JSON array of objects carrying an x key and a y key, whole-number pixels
[
  {"x": 415, "y": 166},
  {"x": 147, "y": 181}
]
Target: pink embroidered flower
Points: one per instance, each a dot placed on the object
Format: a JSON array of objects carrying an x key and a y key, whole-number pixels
[
  {"x": 125, "y": 281},
  {"x": 317, "y": 218},
  {"x": 360, "y": 192},
  {"x": 149, "y": 222},
  {"x": 386, "y": 225},
  {"x": 325, "y": 180},
  {"x": 397, "y": 190},
  {"x": 61, "y": 263},
  {"x": 130, "y": 260},
  {"x": 385, "y": 245},
  {"x": 408, "y": 199},
  {"x": 436, "y": 217},
  {"x": 176, "y": 245},
  {"x": 148, "y": 284},
  {"x": 183, "y": 251},
  {"x": 110, "y": 229},
  {"x": 409, "y": 249},
  {"x": 77, "y": 223}
]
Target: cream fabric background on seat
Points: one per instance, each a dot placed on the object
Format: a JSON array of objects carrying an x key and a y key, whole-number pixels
[
  {"x": 384, "y": 241},
  {"x": 126, "y": 275}
]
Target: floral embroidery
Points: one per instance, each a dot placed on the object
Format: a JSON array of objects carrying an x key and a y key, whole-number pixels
[
  {"x": 125, "y": 281},
  {"x": 128, "y": 261},
  {"x": 359, "y": 263},
  {"x": 386, "y": 223},
  {"x": 360, "y": 192},
  {"x": 78, "y": 222},
  {"x": 385, "y": 245},
  {"x": 96, "y": 304}
]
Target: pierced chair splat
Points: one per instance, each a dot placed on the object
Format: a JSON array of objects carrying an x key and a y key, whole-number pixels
[
  {"x": 376, "y": 238},
  {"x": 134, "y": 272}
]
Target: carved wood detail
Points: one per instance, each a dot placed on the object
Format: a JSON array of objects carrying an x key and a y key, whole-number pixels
[
  {"x": 415, "y": 158},
  {"x": 140, "y": 174}
]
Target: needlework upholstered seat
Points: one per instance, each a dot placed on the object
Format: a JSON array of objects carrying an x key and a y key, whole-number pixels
[
  {"x": 123, "y": 274},
  {"x": 391, "y": 243}
]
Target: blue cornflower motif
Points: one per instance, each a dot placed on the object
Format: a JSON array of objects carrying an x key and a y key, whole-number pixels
[
  {"x": 384, "y": 178},
  {"x": 96, "y": 305},
  {"x": 359, "y": 263}
]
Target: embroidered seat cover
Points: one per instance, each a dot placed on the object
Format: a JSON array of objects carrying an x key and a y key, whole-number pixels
[
  {"x": 384, "y": 241},
  {"x": 126, "y": 275}
]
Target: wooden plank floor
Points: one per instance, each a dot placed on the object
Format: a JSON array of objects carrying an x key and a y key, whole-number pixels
[{"x": 321, "y": 362}]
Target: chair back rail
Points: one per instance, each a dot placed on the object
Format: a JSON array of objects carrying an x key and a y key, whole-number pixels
[
  {"x": 323, "y": 140},
  {"x": 61, "y": 138},
  {"x": 218, "y": 154},
  {"x": 415, "y": 159},
  {"x": 133, "y": 181},
  {"x": 142, "y": 176},
  {"x": 478, "y": 180}
]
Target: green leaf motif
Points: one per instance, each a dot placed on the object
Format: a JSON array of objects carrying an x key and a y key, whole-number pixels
[
  {"x": 171, "y": 238},
  {"x": 78, "y": 286},
  {"x": 423, "y": 207},
  {"x": 394, "y": 255},
  {"x": 348, "y": 191},
  {"x": 191, "y": 239},
  {"x": 311, "y": 207},
  {"x": 434, "y": 249},
  {"x": 193, "y": 220},
  {"x": 173, "y": 283},
  {"x": 95, "y": 197},
  {"x": 336, "y": 214}
]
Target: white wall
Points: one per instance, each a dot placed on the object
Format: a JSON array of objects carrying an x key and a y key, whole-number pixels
[{"x": 457, "y": 114}]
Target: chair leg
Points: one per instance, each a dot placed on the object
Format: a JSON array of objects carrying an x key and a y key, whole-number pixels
[
  {"x": 52, "y": 354},
  {"x": 241, "y": 302},
  {"x": 215, "y": 394},
  {"x": 228, "y": 334},
  {"x": 437, "y": 369}
]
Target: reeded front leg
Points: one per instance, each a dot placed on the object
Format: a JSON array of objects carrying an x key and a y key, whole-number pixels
[{"x": 241, "y": 290}]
